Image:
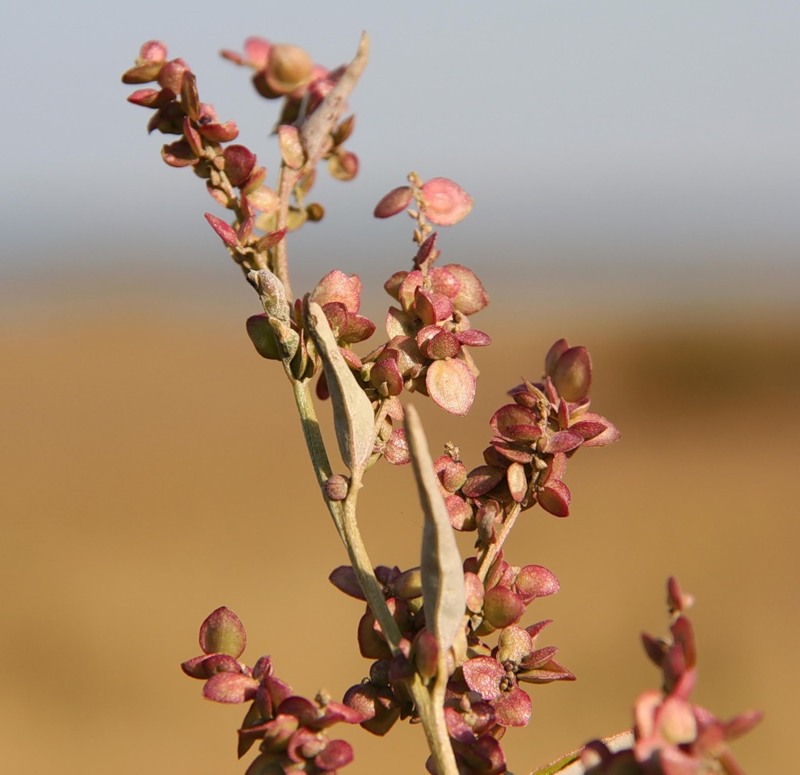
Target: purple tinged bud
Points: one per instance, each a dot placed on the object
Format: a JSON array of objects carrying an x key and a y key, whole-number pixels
[
  {"x": 394, "y": 202},
  {"x": 440, "y": 346},
  {"x": 426, "y": 255},
  {"x": 385, "y": 376},
  {"x": 239, "y": 163},
  {"x": 572, "y": 373},
  {"x": 345, "y": 580},
  {"x": 335, "y": 755},
  {"x": 425, "y": 654},
  {"x": 336, "y": 487},
  {"x": 224, "y": 231},
  {"x": 222, "y": 632}
]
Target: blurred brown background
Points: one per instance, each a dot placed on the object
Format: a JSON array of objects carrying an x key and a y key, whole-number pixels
[{"x": 152, "y": 470}]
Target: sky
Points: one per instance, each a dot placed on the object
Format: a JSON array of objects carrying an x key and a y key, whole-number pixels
[{"x": 592, "y": 135}]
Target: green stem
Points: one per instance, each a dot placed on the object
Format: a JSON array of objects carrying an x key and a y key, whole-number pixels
[
  {"x": 286, "y": 183},
  {"x": 344, "y": 516},
  {"x": 494, "y": 548},
  {"x": 429, "y": 704}
]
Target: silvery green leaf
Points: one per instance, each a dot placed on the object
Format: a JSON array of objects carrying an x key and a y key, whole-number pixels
[
  {"x": 316, "y": 129},
  {"x": 444, "y": 595},
  {"x": 352, "y": 411}
]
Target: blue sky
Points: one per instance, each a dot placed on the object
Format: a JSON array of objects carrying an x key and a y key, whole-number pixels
[{"x": 587, "y": 131}]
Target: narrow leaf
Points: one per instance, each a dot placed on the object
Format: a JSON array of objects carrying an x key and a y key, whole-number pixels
[
  {"x": 444, "y": 595},
  {"x": 316, "y": 130},
  {"x": 352, "y": 410}
]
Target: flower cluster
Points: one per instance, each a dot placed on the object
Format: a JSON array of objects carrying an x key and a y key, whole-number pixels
[
  {"x": 532, "y": 441},
  {"x": 428, "y": 336},
  {"x": 483, "y": 694},
  {"x": 472, "y": 693},
  {"x": 233, "y": 177},
  {"x": 285, "y": 71},
  {"x": 673, "y": 736},
  {"x": 291, "y": 728}
]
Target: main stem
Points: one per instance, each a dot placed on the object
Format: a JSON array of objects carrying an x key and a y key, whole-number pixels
[{"x": 429, "y": 703}]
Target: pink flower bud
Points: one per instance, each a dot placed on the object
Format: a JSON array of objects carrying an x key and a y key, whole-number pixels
[
  {"x": 336, "y": 488},
  {"x": 444, "y": 202}
]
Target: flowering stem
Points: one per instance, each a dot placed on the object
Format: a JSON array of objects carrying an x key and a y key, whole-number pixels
[
  {"x": 344, "y": 516},
  {"x": 288, "y": 180},
  {"x": 491, "y": 551},
  {"x": 429, "y": 704}
]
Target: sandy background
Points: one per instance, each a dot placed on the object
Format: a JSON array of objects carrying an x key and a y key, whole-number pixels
[{"x": 152, "y": 470}]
